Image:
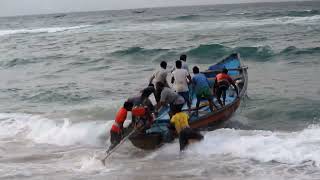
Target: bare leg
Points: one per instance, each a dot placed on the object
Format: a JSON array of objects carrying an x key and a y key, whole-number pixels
[
  {"x": 197, "y": 106},
  {"x": 219, "y": 100},
  {"x": 218, "y": 96},
  {"x": 211, "y": 105},
  {"x": 189, "y": 105},
  {"x": 224, "y": 97}
]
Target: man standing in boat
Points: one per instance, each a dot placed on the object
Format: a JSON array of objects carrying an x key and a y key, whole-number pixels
[
  {"x": 180, "y": 78},
  {"x": 221, "y": 85},
  {"x": 201, "y": 87},
  {"x": 169, "y": 96},
  {"x": 143, "y": 108},
  {"x": 160, "y": 76},
  {"x": 183, "y": 59}
]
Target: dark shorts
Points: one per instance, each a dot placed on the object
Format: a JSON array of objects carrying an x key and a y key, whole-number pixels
[
  {"x": 204, "y": 93},
  {"x": 115, "y": 139},
  {"x": 222, "y": 91},
  {"x": 174, "y": 108},
  {"x": 157, "y": 95},
  {"x": 187, "y": 134},
  {"x": 185, "y": 96}
]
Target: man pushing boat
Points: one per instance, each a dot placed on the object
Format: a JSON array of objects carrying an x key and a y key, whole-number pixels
[
  {"x": 142, "y": 116},
  {"x": 181, "y": 123},
  {"x": 169, "y": 96}
]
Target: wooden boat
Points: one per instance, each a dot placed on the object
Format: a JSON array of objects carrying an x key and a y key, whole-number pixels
[{"x": 206, "y": 120}]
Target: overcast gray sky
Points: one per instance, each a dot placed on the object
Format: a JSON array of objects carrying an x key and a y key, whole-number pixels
[{"x": 21, "y": 7}]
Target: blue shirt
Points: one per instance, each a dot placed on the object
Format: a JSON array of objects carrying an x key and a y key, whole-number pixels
[{"x": 200, "y": 81}]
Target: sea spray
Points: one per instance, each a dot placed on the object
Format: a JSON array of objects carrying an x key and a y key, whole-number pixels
[
  {"x": 62, "y": 133},
  {"x": 263, "y": 146}
]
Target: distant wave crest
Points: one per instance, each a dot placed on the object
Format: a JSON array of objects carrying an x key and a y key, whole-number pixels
[
  {"x": 40, "y": 30},
  {"x": 301, "y": 13},
  {"x": 307, "y": 12},
  {"x": 186, "y": 17},
  {"x": 143, "y": 54},
  {"x": 206, "y": 52}
]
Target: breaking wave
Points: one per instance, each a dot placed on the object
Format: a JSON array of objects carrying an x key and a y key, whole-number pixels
[
  {"x": 40, "y": 30},
  {"x": 48, "y": 131},
  {"x": 292, "y": 50},
  {"x": 265, "y": 146}
]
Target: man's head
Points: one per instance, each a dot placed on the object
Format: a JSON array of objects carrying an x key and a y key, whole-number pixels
[
  {"x": 159, "y": 86},
  {"x": 225, "y": 70},
  {"x": 178, "y": 64},
  {"x": 128, "y": 105},
  {"x": 183, "y": 57},
  {"x": 195, "y": 70},
  {"x": 163, "y": 64}
]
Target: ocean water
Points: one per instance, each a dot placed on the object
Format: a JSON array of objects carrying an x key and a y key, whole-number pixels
[{"x": 63, "y": 76}]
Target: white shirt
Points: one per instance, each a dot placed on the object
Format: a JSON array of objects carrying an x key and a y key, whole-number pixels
[
  {"x": 180, "y": 80},
  {"x": 185, "y": 66},
  {"x": 168, "y": 96},
  {"x": 161, "y": 76}
]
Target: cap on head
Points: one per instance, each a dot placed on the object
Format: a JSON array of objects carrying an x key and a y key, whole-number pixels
[
  {"x": 183, "y": 57},
  {"x": 195, "y": 70}
]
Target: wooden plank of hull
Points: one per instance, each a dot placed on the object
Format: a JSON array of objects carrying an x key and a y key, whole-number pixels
[
  {"x": 146, "y": 142},
  {"x": 216, "y": 119}
]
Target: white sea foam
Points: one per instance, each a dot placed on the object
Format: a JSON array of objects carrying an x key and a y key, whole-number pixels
[
  {"x": 264, "y": 146},
  {"x": 92, "y": 164},
  {"x": 205, "y": 25},
  {"x": 62, "y": 133},
  {"x": 40, "y": 30}
]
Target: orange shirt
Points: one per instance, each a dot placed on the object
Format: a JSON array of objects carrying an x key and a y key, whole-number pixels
[
  {"x": 224, "y": 78},
  {"x": 121, "y": 116}
]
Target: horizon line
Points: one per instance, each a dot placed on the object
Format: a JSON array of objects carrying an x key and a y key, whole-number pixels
[{"x": 156, "y": 7}]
